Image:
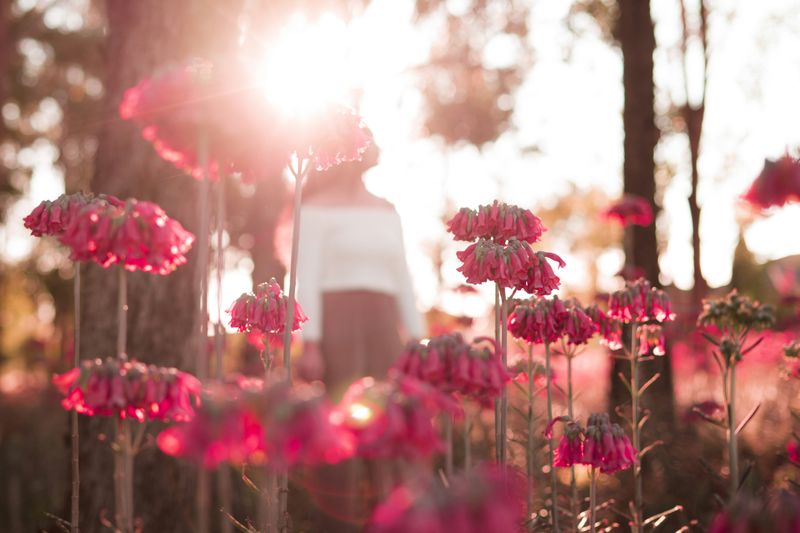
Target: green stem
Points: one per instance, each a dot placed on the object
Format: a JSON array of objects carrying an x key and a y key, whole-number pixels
[
  {"x": 498, "y": 403},
  {"x": 504, "y": 394},
  {"x": 732, "y": 444},
  {"x": 448, "y": 437},
  {"x": 76, "y": 357},
  {"x": 531, "y": 440},
  {"x": 551, "y": 443},
  {"x": 573, "y": 485},
  {"x": 593, "y": 500},
  {"x": 635, "y": 429},
  {"x": 467, "y": 442}
]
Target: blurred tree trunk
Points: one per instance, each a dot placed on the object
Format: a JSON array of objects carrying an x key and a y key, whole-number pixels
[
  {"x": 635, "y": 33},
  {"x": 143, "y": 36}
]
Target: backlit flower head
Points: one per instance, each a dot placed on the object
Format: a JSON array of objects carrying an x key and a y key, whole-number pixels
[
  {"x": 651, "y": 340},
  {"x": 776, "y": 185},
  {"x": 137, "y": 236},
  {"x": 498, "y": 221},
  {"x": 630, "y": 210},
  {"x": 569, "y": 451},
  {"x": 610, "y": 329},
  {"x": 129, "y": 389},
  {"x": 335, "y": 135},
  {"x": 606, "y": 446},
  {"x": 736, "y": 312},
  {"x": 53, "y": 217},
  {"x": 264, "y": 310},
  {"x": 578, "y": 325},
  {"x": 482, "y": 499},
  {"x": 640, "y": 302},
  {"x": 538, "y": 320}
]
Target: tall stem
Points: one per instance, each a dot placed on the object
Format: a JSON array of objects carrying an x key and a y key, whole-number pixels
[
  {"x": 592, "y": 500},
  {"x": 635, "y": 429},
  {"x": 123, "y": 459},
  {"x": 299, "y": 176},
  {"x": 467, "y": 442},
  {"x": 448, "y": 437},
  {"x": 550, "y": 442},
  {"x": 732, "y": 445},
  {"x": 76, "y": 357},
  {"x": 504, "y": 394},
  {"x": 573, "y": 485},
  {"x": 201, "y": 316},
  {"x": 531, "y": 440},
  {"x": 498, "y": 403}
]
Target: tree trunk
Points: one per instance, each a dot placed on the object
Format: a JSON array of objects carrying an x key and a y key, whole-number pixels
[{"x": 143, "y": 36}]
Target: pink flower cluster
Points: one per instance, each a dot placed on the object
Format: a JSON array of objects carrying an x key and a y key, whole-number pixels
[
  {"x": 245, "y": 422},
  {"x": 630, "y": 210},
  {"x": 778, "y": 512},
  {"x": 651, "y": 339},
  {"x": 498, "y": 221},
  {"x": 178, "y": 107},
  {"x": 137, "y": 235},
  {"x": 777, "y": 184},
  {"x": 601, "y": 445},
  {"x": 542, "y": 320},
  {"x": 393, "y": 419},
  {"x": 610, "y": 329},
  {"x": 640, "y": 302},
  {"x": 513, "y": 265},
  {"x": 482, "y": 499},
  {"x": 129, "y": 389},
  {"x": 265, "y": 310},
  {"x": 451, "y": 364},
  {"x": 53, "y": 217}
]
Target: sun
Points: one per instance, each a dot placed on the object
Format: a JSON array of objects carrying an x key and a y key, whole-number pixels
[{"x": 307, "y": 65}]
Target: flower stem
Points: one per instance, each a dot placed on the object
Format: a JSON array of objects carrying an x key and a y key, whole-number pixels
[
  {"x": 635, "y": 429},
  {"x": 504, "y": 394},
  {"x": 732, "y": 444},
  {"x": 531, "y": 440},
  {"x": 498, "y": 403},
  {"x": 123, "y": 457},
  {"x": 592, "y": 500},
  {"x": 76, "y": 357},
  {"x": 550, "y": 447},
  {"x": 573, "y": 502},
  {"x": 467, "y": 442},
  {"x": 448, "y": 437},
  {"x": 122, "y": 314}
]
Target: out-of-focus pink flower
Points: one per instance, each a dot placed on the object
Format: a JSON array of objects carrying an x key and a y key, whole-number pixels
[
  {"x": 498, "y": 221},
  {"x": 265, "y": 310},
  {"x": 335, "y": 135},
  {"x": 793, "y": 450},
  {"x": 776, "y": 185},
  {"x": 578, "y": 325},
  {"x": 53, "y": 217},
  {"x": 778, "y": 512},
  {"x": 606, "y": 446},
  {"x": 129, "y": 389},
  {"x": 640, "y": 302},
  {"x": 393, "y": 419},
  {"x": 651, "y": 338},
  {"x": 610, "y": 329},
  {"x": 483, "y": 499},
  {"x": 452, "y": 365},
  {"x": 630, "y": 210},
  {"x": 539, "y": 320},
  {"x": 570, "y": 447},
  {"x": 137, "y": 235},
  {"x": 512, "y": 265}
]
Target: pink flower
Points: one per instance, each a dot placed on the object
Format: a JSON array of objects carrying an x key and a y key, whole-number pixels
[
  {"x": 539, "y": 320},
  {"x": 52, "y": 218},
  {"x": 483, "y": 499},
  {"x": 578, "y": 326},
  {"x": 129, "y": 389},
  {"x": 452, "y": 365},
  {"x": 498, "y": 221},
  {"x": 264, "y": 311},
  {"x": 640, "y": 302},
  {"x": 606, "y": 446},
  {"x": 793, "y": 450},
  {"x": 570, "y": 447},
  {"x": 335, "y": 136},
  {"x": 778, "y": 512},
  {"x": 651, "y": 337},
  {"x": 610, "y": 329},
  {"x": 137, "y": 235},
  {"x": 393, "y": 418},
  {"x": 776, "y": 185},
  {"x": 630, "y": 210}
]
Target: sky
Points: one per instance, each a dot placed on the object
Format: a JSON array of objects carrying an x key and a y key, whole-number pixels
[{"x": 569, "y": 107}]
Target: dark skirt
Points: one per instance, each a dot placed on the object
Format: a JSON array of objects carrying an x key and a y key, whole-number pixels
[{"x": 360, "y": 337}]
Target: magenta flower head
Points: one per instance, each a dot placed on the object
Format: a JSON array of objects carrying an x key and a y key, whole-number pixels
[
  {"x": 776, "y": 185},
  {"x": 578, "y": 326},
  {"x": 651, "y": 340},
  {"x": 129, "y": 389},
  {"x": 538, "y": 320},
  {"x": 640, "y": 302},
  {"x": 570, "y": 447},
  {"x": 630, "y": 210},
  {"x": 264, "y": 311},
  {"x": 482, "y": 499},
  {"x": 498, "y": 221},
  {"x": 334, "y": 136},
  {"x": 606, "y": 446},
  {"x": 778, "y": 512},
  {"x": 137, "y": 236},
  {"x": 610, "y": 329},
  {"x": 52, "y": 218}
]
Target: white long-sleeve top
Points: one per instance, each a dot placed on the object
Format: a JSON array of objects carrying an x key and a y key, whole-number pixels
[{"x": 353, "y": 248}]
